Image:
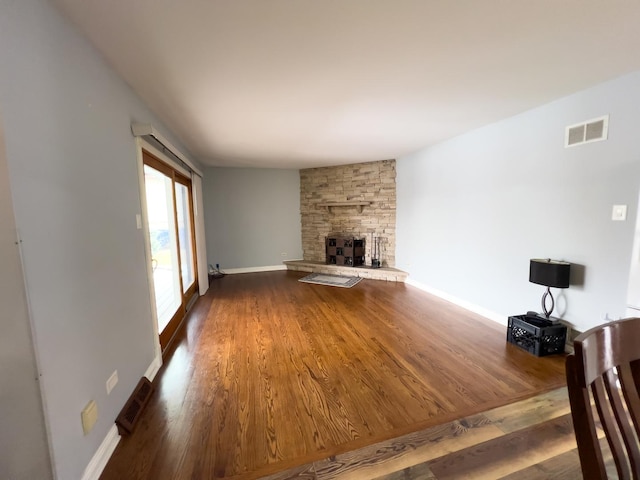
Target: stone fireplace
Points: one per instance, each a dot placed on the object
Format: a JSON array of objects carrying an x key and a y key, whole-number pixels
[{"x": 357, "y": 200}]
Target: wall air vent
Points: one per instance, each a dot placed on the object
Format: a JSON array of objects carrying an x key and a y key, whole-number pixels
[
  {"x": 586, "y": 132},
  {"x": 130, "y": 413}
]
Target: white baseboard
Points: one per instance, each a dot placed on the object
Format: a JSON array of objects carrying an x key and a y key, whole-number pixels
[
  {"x": 153, "y": 368},
  {"x": 489, "y": 314},
  {"x": 268, "y": 268},
  {"x": 102, "y": 455}
]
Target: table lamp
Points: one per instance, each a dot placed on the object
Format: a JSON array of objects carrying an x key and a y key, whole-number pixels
[{"x": 549, "y": 273}]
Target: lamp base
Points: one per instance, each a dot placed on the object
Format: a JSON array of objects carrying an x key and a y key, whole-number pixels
[{"x": 545, "y": 295}]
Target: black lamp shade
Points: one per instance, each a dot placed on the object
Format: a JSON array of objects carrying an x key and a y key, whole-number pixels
[{"x": 550, "y": 273}]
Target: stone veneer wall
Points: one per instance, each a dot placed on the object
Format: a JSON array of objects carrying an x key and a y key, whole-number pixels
[{"x": 373, "y": 182}]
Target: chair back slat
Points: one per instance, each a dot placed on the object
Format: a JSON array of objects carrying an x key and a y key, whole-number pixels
[
  {"x": 631, "y": 395},
  {"x": 635, "y": 369},
  {"x": 610, "y": 427},
  {"x": 606, "y": 363},
  {"x": 623, "y": 420},
  {"x": 591, "y": 457}
]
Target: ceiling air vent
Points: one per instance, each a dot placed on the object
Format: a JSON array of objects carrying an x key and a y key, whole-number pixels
[{"x": 590, "y": 131}]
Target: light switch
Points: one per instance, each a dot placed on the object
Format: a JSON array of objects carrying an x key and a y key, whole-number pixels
[
  {"x": 619, "y": 213},
  {"x": 112, "y": 381},
  {"x": 138, "y": 221}
]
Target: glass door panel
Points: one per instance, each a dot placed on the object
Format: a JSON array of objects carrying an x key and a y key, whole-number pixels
[
  {"x": 185, "y": 236},
  {"x": 172, "y": 238},
  {"x": 164, "y": 251}
]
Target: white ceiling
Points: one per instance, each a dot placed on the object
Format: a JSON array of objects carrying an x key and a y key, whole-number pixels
[{"x": 305, "y": 83}]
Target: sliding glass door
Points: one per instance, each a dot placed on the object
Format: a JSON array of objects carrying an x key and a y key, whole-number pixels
[
  {"x": 186, "y": 242},
  {"x": 171, "y": 234}
]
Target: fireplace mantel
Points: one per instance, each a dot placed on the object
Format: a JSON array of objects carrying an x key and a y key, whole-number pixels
[{"x": 359, "y": 205}]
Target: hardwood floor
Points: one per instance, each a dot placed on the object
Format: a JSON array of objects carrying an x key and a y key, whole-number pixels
[
  {"x": 272, "y": 374},
  {"x": 531, "y": 439}
]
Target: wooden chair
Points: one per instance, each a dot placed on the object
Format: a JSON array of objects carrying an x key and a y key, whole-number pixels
[{"x": 606, "y": 366}]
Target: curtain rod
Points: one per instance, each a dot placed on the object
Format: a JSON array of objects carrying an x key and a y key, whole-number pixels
[{"x": 145, "y": 129}]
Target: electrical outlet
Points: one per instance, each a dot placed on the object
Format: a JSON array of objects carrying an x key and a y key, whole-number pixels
[
  {"x": 112, "y": 381},
  {"x": 283, "y": 254}
]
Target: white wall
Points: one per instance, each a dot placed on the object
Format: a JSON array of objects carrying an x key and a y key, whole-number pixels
[
  {"x": 473, "y": 210},
  {"x": 24, "y": 453},
  {"x": 252, "y": 216},
  {"x": 73, "y": 174}
]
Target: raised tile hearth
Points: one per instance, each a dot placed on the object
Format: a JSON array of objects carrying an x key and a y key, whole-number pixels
[{"x": 386, "y": 273}]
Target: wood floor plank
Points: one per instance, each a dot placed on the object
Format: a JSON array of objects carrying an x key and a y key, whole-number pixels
[
  {"x": 392, "y": 456},
  {"x": 417, "y": 472},
  {"x": 270, "y": 373},
  {"x": 509, "y": 453},
  {"x": 303, "y": 472},
  {"x": 408, "y": 450},
  {"x": 565, "y": 466},
  {"x": 534, "y": 410}
]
